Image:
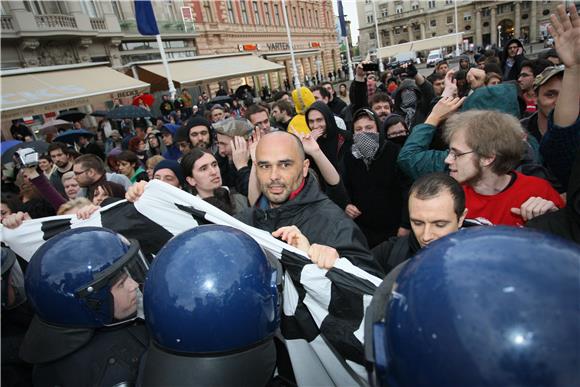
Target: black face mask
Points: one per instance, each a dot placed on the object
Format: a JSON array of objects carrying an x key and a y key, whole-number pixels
[{"x": 400, "y": 140}]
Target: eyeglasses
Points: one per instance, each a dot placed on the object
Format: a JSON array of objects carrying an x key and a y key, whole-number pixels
[
  {"x": 454, "y": 155},
  {"x": 79, "y": 173}
]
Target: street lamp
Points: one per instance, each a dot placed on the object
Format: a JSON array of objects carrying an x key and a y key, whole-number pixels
[{"x": 499, "y": 36}]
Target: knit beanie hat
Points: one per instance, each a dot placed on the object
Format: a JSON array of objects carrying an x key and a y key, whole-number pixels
[{"x": 174, "y": 166}]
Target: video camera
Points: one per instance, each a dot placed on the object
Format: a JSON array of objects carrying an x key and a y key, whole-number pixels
[
  {"x": 26, "y": 158},
  {"x": 405, "y": 69}
]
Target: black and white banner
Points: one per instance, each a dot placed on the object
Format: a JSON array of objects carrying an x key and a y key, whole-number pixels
[{"x": 323, "y": 310}]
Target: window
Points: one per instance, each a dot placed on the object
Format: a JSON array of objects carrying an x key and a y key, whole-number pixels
[
  {"x": 466, "y": 16},
  {"x": 277, "y": 14},
  {"x": 433, "y": 23},
  {"x": 267, "y": 14},
  {"x": 372, "y": 35},
  {"x": 467, "y": 28},
  {"x": 415, "y": 5},
  {"x": 432, "y": 4},
  {"x": 384, "y": 13},
  {"x": 449, "y": 19},
  {"x": 295, "y": 16},
  {"x": 244, "y": 12},
  {"x": 303, "y": 17},
  {"x": 36, "y": 7},
  {"x": 118, "y": 10},
  {"x": 370, "y": 19},
  {"x": 486, "y": 12},
  {"x": 399, "y": 9},
  {"x": 89, "y": 8},
  {"x": 448, "y": 2},
  {"x": 256, "y": 12},
  {"x": 207, "y": 13},
  {"x": 310, "y": 18},
  {"x": 486, "y": 24},
  {"x": 397, "y": 31},
  {"x": 316, "y": 18},
  {"x": 231, "y": 14}
]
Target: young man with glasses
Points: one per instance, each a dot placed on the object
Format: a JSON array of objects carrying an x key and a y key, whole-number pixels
[
  {"x": 90, "y": 172},
  {"x": 484, "y": 149},
  {"x": 512, "y": 60}
]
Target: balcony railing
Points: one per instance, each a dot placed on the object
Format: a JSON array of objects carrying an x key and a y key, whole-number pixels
[
  {"x": 56, "y": 22},
  {"x": 167, "y": 27},
  {"x": 98, "y": 24},
  {"x": 7, "y": 24}
]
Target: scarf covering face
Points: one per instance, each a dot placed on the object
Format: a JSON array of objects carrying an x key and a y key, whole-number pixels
[
  {"x": 409, "y": 106},
  {"x": 365, "y": 146}
]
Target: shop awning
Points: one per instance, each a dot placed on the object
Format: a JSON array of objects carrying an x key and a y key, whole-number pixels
[
  {"x": 42, "y": 90},
  {"x": 420, "y": 45},
  {"x": 201, "y": 69}
]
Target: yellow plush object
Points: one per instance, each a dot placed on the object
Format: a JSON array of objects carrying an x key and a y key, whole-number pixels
[
  {"x": 298, "y": 126},
  {"x": 302, "y": 98}
]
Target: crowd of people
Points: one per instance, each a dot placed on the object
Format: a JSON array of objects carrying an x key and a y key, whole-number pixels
[{"x": 374, "y": 172}]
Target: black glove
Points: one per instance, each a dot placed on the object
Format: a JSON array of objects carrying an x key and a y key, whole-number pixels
[{"x": 411, "y": 71}]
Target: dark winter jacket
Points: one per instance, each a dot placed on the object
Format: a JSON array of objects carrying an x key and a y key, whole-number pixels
[
  {"x": 320, "y": 220},
  {"x": 336, "y": 105},
  {"x": 396, "y": 250},
  {"x": 566, "y": 221},
  {"x": 379, "y": 192},
  {"x": 425, "y": 95},
  {"x": 516, "y": 67}
]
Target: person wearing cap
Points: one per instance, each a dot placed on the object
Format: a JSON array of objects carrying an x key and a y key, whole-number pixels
[
  {"x": 167, "y": 133},
  {"x": 170, "y": 172},
  {"x": 228, "y": 131},
  {"x": 376, "y": 187},
  {"x": 561, "y": 142},
  {"x": 200, "y": 133},
  {"x": 182, "y": 140},
  {"x": 166, "y": 105},
  {"x": 217, "y": 113},
  {"x": 154, "y": 143}
]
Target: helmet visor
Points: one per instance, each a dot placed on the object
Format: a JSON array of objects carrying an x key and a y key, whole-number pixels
[
  {"x": 13, "y": 293},
  {"x": 132, "y": 263}
]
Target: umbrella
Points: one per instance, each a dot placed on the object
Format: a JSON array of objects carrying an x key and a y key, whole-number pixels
[
  {"x": 39, "y": 146},
  {"x": 71, "y": 136},
  {"x": 51, "y": 126},
  {"x": 147, "y": 99},
  {"x": 222, "y": 99},
  {"x": 129, "y": 111},
  {"x": 241, "y": 91},
  {"x": 5, "y": 145},
  {"x": 71, "y": 116},
  {"x": 99, "y": 113}
]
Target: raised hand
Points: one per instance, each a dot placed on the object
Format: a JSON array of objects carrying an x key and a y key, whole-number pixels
[
  {"x": 566, "y": 33},
  {"x": 443, "y": 109},
  {"x": 310, "y": 144},
  {"x": 240, "y": 152}
]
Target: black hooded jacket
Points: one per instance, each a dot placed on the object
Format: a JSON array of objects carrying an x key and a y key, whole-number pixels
[
  {"x": 566, "y": 221},
  {"x": 379, "y": 191},
  {"x": 320, "y": 220},
  {"x": 425, "y": 95},
  {"x": 332, "y": 141},
  {"x": 518, "y": 60}
]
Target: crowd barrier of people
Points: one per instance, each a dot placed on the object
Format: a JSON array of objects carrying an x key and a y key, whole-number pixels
[{"x": 443, "y": 187}]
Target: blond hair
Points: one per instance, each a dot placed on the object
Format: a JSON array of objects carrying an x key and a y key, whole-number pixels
[
  {"x": 72, "y": 204},
  {"x": 490, "y": 134}
]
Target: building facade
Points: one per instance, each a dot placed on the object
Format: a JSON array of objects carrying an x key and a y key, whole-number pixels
[
  {"x": 46, "y": 33},
  {"x": 482, "y": 22}
]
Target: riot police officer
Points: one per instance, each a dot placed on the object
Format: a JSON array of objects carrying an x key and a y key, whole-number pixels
[
  {"x": 481, "y": 307},
  {"x": 84, "y": 287},
  {"x": 212, "y": 308}
]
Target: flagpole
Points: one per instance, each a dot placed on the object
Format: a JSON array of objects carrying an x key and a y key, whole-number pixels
[
  {"x": 172, "y": 90},
  {"x": 294, "y": 68},
  {"x": 348, "y": 60}
]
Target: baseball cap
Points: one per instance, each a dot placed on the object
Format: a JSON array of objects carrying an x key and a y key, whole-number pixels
[{"x": 545, "y": 75}]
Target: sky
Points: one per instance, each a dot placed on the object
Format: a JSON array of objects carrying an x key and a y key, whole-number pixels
[{"x": 350, "y": 11}]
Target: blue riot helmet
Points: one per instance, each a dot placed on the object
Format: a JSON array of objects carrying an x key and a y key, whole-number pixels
[
  {"x": 70, "y": 278},
  {"x": 13, "y": 293},
  {"x": 212, "y": 307},
  {"x": 481, "y": 307}
]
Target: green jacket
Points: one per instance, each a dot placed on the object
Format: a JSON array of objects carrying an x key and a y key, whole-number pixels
[{"x": 416, "y": 159}]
